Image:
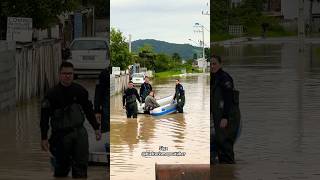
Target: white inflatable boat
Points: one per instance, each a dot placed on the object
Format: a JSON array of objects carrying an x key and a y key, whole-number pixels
[
  {"x": 163, "y": 110},
  {"x": 167, "y": 106}
]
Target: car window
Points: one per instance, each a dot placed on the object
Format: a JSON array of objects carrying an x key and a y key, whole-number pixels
[
  {"x": 138, "y": 75},
  {"x": 89, "y": 45}
]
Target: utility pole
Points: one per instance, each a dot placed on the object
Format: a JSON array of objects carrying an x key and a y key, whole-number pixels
[
  {"x": 129, "y": 43},
  {"x": 301, "y": 26},
  {"x": 197, "y": 25},
  {"x": 206, "y": 12},
  {"x": 202, "y": 29}
]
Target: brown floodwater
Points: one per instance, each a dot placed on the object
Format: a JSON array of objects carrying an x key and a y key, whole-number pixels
[
  {"x": 21, "y": 157},
  {"x": 187, "y": 132},
  {"x": 280, "y": 105}
]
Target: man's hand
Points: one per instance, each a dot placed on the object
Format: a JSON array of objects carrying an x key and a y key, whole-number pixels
[
  {"x": 98, "y": 135},
  {"x": 98, "y": 117},
  {"x": 45, "y": 145},
  {"x": 223, "y": 123},
  {"x": 124, "y": 107}
]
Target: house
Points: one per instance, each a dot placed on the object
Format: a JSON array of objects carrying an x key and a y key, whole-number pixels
[{"x": 202, "y": 63}]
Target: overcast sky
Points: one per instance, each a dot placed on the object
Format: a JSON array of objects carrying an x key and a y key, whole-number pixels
[{"x": 165, "y": 20}]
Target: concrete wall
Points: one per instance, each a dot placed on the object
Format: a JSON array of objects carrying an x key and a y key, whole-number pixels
[
  {"x": 7, "y": 75},
  {"x": 118, "y": 83}
]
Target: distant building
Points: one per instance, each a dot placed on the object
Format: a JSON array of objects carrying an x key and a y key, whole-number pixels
[
  {"x": 202, "y": 63},
  {"x": 289, "y": 11},
  {"x": 289, "y": 8}
]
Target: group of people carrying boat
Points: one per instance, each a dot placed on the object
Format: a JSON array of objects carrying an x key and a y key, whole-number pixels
[{"x": 147, "y": 99}]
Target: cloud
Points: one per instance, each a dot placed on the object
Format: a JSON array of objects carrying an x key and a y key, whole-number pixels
[{"x": 166, "y": 20}]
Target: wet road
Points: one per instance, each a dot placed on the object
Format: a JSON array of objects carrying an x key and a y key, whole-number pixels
[
  {"x": 187, "y": 132},
  {"x": 20, "y": 155},
  {"x": 280, "y": 105}
]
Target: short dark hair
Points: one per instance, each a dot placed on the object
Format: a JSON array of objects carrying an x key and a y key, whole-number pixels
[
  {"x": 146, "y": 77},
  {"x": 178, "y": 80},
  {"x": 66, "y": 65},
  {"x": 218, "y": 58},
  {"x": 130, "y": 82}
]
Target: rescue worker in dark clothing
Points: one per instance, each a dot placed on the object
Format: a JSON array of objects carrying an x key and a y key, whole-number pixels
[
  {"x": 225, "y": 114},
  {"x": 64, "y": 106},
  {"x": 102, "y": 100},
  {"x": 145, "y": 89},
  {"x": 129, "y": 100},
  {"x": 179, "y": 95}
]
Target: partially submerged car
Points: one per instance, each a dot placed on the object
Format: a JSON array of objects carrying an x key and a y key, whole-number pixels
[{"x": 89, "y": 55}]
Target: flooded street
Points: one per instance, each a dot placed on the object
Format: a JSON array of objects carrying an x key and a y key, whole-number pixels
[
  {"x": 280, "y": 106},
  {"x": 187, "y": 132},
  {"x": 20, "y": 151}
]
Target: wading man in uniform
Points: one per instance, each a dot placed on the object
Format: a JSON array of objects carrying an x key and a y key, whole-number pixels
[
  {"x": 225, "y": 114},
  {"x": 65, "y": 106},
  {"x": 145, "y": 89},
  {"x": 129, "y": 101},
  {"x": 179, "y": 95}
]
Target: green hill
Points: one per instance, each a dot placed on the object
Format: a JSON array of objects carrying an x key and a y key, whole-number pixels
[{"x": 185, "y": 51}]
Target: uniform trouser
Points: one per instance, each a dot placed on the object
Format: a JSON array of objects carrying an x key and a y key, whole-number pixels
[
  {"x": 132, "y": 110},
  {"x": 223, "y": 141},
  {"x": 70, "y": 149},
  {"x": 180, "y": 104}
]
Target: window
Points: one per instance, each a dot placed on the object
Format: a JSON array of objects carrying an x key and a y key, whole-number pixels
[{"x": 89, "y": 45}]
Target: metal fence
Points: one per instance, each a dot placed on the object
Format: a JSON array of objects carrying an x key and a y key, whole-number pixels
[
  {"x": 118, "y": 83},
  {"x": 236, "y": 30},
  {"x": 37, "y": 68}
]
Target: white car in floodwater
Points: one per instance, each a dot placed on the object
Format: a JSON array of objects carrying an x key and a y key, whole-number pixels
[
  {"x": 89, "y": 55},
  {"x": 138, "y": 78}
]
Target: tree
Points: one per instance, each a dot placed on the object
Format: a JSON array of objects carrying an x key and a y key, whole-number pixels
[
  {"x": 101, "y": 8},
  {"x": 44, "y": 13},
  {"x": 162, "y": 63},
  {"x": 195, "y": 56},
  {"x": 147, "y": 56},
  {"x": 207, "y": 53},
  {"x": 218, "y": 19},
  {"x": 119, "y": 50}
]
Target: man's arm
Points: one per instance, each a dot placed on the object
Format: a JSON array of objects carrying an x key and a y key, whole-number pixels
[
  {"x": 137, "y": 95},
  {"x": 124, "y": 98},
  {"x": 227, "y": 94},
  {"x": 45, "y": 116},
  {"x": 181, "y": 91},
  {"x": 88, "y": 110},
  {"x": 98, "y": 99},
  {"x": 141, "y": 89}
]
